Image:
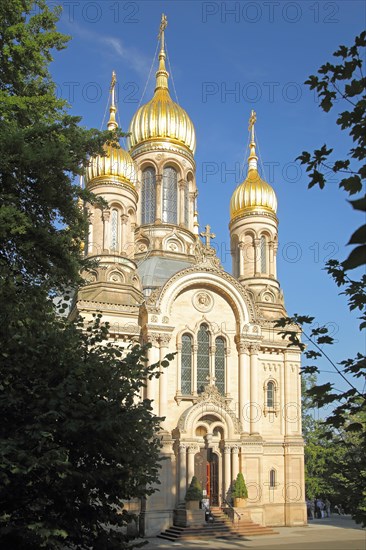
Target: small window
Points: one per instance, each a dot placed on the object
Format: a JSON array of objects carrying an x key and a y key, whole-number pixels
[
  {"x": 272, "y": 478},
  {"x": 170, "y": 195},
  {"x": 148, "y": 196},
  {"x": 270, "y": 395},
  {"x": 220, "y": 364},
  {"x": 203, "y": 358},
  {"x": 186, "y": 364}
]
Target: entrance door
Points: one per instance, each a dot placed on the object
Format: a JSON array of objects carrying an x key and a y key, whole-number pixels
[{"x": 206, "y": 471}]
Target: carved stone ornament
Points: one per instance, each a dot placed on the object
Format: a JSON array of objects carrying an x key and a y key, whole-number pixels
[{"x": 203, "y": 301}]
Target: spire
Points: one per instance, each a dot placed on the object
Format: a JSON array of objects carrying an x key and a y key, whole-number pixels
[
  {"x": 162, "y": 74},
  {"x": 252, "y": 159},
  {"x": 112, "y": 123}
]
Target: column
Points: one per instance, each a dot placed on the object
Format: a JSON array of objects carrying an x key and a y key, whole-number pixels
[
  {"x": 299, "y": 419},
  {"x": 158, "y": 198},
  {"x": 179, "y": 367},
  {"x": 241, "y": 259},
  {"x": 194, "y": 369},
  {"x": 285, "y": 408},
  {"x": 106, "y": 230},
  {"x": 212, "y": 377},
  {"x": 244, "y": 384},
  {"x": 192, "y": 450},
  {"x": 257, "y": 257},
  {"x": 91, "y": 246},
  {"x": 271, "y": 258},
  {"x": 181, "y": 187},
  {"x": 192, "y": 209},
  {"x": 275, "y": 247},
  {"x": 122, "y": 237},
  {"x": 235, "y": 461},
  {"x": 227, "y": 469},
  {"x": 282, "y": 397},
  {"x": 182, "y": 471},
  {"x": 153, "y": 357},
  {"x": 163, "y": 379},
  {"x": 255, "y": 408}
]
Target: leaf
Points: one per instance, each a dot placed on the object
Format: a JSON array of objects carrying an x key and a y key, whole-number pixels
[
  {"x": 359, "y": 204},
  {"x": 356, "y": 258},
  {"x": 359, "y": 236}
]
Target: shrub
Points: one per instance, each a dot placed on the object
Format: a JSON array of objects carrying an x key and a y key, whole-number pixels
[
  {"x": 239, "y": 488},
  {"x": 194, "y": 491}
]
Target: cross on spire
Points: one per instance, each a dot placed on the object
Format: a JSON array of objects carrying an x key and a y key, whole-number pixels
[
  {"x": 163, "y": 26},
  {"x": 207, "y": 235},
  {"x": 252, "y": 121}
]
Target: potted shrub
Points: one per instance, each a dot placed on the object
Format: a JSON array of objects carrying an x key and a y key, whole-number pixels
[
  {"x": 240, "y": 491},
  {"x": 193, "y": 494}
]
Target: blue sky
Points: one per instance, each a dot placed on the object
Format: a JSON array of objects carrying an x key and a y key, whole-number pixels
[{"x": 228, "y": 58}]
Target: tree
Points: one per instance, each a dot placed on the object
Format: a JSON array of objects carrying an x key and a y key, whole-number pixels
[
  {"x": 194, "y": 491},
  {"x": 75, "y": 437},
  {"x": 239, "y": 487},
  {"x": 338, "y": 84}
]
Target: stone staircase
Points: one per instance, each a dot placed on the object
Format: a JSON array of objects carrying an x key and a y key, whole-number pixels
[{"x": 221, "y": 527}]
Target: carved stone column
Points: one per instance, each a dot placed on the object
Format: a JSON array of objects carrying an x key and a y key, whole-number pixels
[
  {"x": 151, "y": 385},
  {"x": 163, "y": 379},
  {"x": 179, "y": 369},
  {"x": 257, "y": 256},
  {"x": 235, "y": 461},
  {"x": 194, "y": 369},
  {"x": 211, "y": 375},
  {"x": 192, "y": 450},
  {"x": 192, "y": 209},
  {"x": 106, "y": 230},
  {"x": 182, "y": 471},
  {"x": 227, "y": 469},
  {"x": 181, "y": 188},
  {"x": 275, "y": 247},
  {"x": 158, "y": 198},
  {"x": 244, "y": 384},
  {"x": 122, "y": 237},
  {"x": 241, "y": 248},
  {"x": 271, "y": 259},
  {"x": 255, "y": 408},
  {"x": 91, "y": 244}
]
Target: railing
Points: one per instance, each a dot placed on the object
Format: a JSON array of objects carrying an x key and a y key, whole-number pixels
[{"x": 231, "y": 508}]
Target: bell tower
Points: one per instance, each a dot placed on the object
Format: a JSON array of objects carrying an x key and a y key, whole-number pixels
[
  {"x": 162, "y": 143},
  {"x": 254, "y": 231}
]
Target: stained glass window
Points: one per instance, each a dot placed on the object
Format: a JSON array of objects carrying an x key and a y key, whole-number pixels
[
  {"x": 272, "y": 478},
  {"x": 186, "y": 364},
  {"x": 220, "y": 364},
  {"x": 203, "y": 358},
  {"x": 114, "y": 229},
  {"x": 170, "y": 195},
  {"x": 186, "y": 205},
  {"x": 148, "y": 198},
  {"x": 270, "y": 395},
  {"x": 263, "y": 255}
]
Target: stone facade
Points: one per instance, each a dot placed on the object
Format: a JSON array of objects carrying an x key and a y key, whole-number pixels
[{"x": 231, "y": 396}]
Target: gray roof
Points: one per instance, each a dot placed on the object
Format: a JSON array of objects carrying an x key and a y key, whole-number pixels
[{"x": 155, "y": 271}]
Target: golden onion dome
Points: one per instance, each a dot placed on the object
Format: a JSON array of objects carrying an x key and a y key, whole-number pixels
[
  {"x": 117, "y": 165},
  {"x": 253, "y": 193},
  {"x": 161, "y": 119}
]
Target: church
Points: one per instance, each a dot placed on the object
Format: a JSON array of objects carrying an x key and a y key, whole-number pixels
[{"x": 231, "y": 398}]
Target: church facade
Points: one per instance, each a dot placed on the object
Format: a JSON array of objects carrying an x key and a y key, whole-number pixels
[{"x": 231, "y": 397}]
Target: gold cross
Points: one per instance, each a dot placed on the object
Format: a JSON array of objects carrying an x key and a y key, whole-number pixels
[
  {"x": 163, "y": 25},
  {"x": 114, "y": 80},
  {"x": 207, "y": 235},
  {"x": 252, "y": 120}
]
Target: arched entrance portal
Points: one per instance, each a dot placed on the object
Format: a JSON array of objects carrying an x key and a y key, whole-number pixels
[{"x": 206, "y": 469}]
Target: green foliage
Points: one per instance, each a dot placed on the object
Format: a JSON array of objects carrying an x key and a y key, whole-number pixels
[
  {"x": 75, "y": 437},
  {"x": 335, "y": 452},
  {"x": 239, "y": 488},
  {"x": 194, "y": 491},
  {"x": 42, "y": 152}
]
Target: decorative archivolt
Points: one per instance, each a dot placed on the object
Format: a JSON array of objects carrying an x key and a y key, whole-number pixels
[
  {"x": 212, "y": 279},
  {"x": 210, "y": 402}
]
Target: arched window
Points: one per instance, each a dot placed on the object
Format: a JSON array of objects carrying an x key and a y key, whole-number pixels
[
  {"x": 270, "y": 395},
  {"x": 272, "y": 478},
  {"x": 114, "y": 229},
  {"x": 170, "y": 195},
  {"x": 186, "y": 364},
  {"x": 203, "y": 358},
  {"x": 148, "y": 198},
  {"x": 263, "y": 255},
  {"x": 220, "y": 364}
]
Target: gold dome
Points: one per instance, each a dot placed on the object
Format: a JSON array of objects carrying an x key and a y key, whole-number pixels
[
  {"x": 253, "y": 193},
  {"x": 117, "y": 166},
  {"x": 161, "y": 119}
]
